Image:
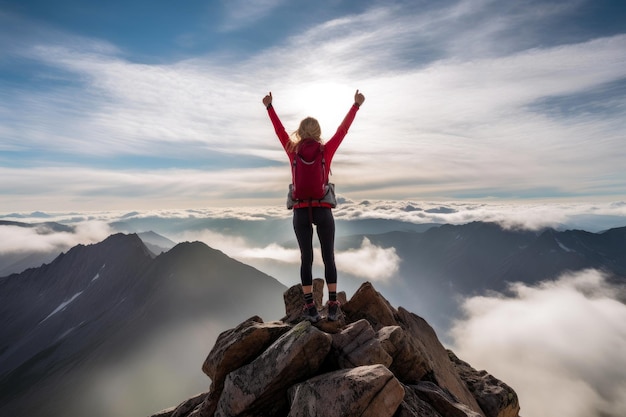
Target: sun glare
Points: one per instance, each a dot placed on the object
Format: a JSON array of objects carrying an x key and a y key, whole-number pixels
[{"x": 328, "y": 102}]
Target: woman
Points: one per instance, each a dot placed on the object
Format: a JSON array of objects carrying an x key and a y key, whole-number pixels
[{"x": 307, "y": 213}]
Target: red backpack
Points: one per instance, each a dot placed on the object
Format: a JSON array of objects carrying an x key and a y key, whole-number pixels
[{"x": 309, "y": 176}]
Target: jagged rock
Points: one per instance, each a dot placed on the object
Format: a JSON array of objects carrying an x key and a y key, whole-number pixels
[
  {"x": 444, "y": 402},
  {"x": 357, "y": 345},
  {"x": 394, "y": 366},
  {"x": 365, "y": 391},
  {"x": 407, "y": 365},
  {"x": 260, "y": 387},
  {"x": 233, "y": 349},
  {"x": 239, "y": 346},
  {"x": 495, "y": 397},
  {"x": 439, "y": 367},
  {"x": 368, "y": 304}
]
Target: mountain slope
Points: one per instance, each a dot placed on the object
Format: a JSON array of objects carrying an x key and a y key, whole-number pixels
[
  {"x": 98, "y": 301},
  {"x": 554, "y": 252}
]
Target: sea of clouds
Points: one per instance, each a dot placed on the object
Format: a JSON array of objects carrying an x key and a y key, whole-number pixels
[
  {"x": 560, "y": 344},
  {"x": 382, "y": 263},
  {"x": 91, "y": 227}
]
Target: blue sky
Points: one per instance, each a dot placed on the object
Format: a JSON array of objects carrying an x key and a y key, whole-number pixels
[{"x": 157, "y": 104}]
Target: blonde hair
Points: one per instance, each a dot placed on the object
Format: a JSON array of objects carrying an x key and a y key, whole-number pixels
[{"x": 309, "y": 129}]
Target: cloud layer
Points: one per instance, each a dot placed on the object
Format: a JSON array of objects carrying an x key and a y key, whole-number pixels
[
  {"x": 15, "y": 239},
  {"x": 181, "y": 225},
  {"x": 559, "y": 344},
  {"x": 368, "y": 262}
]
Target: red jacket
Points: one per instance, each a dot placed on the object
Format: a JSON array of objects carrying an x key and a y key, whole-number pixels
[{"x": 330, "y": 147}]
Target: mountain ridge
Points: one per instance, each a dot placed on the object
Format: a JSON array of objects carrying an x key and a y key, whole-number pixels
[{"x": 443, "y": 263}]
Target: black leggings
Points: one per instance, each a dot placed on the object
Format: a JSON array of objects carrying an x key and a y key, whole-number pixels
[{"x": 323, "y": 218}]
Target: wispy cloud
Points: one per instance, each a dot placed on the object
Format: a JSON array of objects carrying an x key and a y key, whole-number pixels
[
  {"x": 240, "y": 13},
  {"x": 462, "y": 102},
  {"x": 369, "y": 262},
  {"x": 15, "y": 239},
  {"x": 559, "y": 344}
]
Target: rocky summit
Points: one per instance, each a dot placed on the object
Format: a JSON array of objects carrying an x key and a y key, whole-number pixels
[{"x": 376, "y": 361}]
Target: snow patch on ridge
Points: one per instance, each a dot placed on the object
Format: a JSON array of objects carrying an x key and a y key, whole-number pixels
[{"x": 62, "y": 306}]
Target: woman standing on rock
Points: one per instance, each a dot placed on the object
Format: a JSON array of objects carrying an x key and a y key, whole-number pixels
[{"x": 305, "y": 146}]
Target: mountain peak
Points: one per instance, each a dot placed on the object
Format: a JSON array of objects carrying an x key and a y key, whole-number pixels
[{"x": 375, "y": 361}]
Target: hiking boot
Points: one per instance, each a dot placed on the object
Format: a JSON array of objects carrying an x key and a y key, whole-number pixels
[
  {"x": 334, "y": 311},
  {"x": 310, "y": 313}
]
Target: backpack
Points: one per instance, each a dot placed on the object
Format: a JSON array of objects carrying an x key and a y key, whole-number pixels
[{"x": 309, "y": 176}]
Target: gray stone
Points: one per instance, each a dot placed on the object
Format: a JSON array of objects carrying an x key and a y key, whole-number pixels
[
  {"x": 367, "y": 303},
  {"x": 357, "y": 345},
  {"x": 438, "y": 365},
  {"x": 261, "y": 386},
  {"x": 408, "y": 365},
  {"x": 366, "y": 391},
  {"x": 239, "y": 346},
  {"x": 495, "y": 398}
]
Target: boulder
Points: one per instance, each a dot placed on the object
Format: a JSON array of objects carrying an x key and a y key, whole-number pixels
[
  {"x": 356, "y": 345},
  {"x": 494, "y": 397},
  {"x": 239, "y": 346},
  {"x": 261, "y": 386},
  {"x": 407, "y": 365},
  {"x": 368, "y": 304},
  {"x": 365, "y": 391}
]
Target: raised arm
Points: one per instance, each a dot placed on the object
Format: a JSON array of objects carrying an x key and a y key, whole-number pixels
[
  {"x": 334, "y": 142},
  {"x": 282, "y": 134}
]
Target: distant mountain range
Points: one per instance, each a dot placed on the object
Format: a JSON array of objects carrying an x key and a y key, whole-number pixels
[
  {"x": 449, "y": 261},
  {"x": 97, "y": 301},
  {"x": 18, "y": 261}
]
